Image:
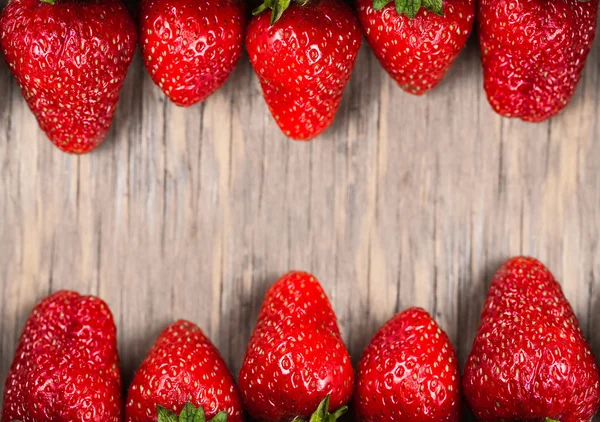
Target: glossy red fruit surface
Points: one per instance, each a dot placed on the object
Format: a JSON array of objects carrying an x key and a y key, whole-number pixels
[
  {"x": 66, "y": 366},
  {"x": 190, "y": 47},
  {"x": 533, "y": 53},
  {"x": 70, "y": 60},
  {"x": 417, "y": 52},
  {"x": 530, "y": 360},
  {"x": 296, "y": 355},
  {"x": 183, "y": 366},
  {"x": 304, "y": 62},
  {"x": 409, "y": 371}
]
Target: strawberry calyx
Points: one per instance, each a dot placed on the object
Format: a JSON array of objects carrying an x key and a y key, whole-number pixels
[
  {"x": 322, "y": 413},
  {"x": 189, "y": 413},
  {"x": 48, "y": 1},
  {"x": 551, "y": 420},
  {"x": 277, "y": 7},
  {"x": 411, "y": 7}
]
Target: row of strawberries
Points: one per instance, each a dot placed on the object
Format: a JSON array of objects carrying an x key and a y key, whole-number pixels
[
  {"x": 70, "y": 57},
  {"x": 529, "y": 361}
]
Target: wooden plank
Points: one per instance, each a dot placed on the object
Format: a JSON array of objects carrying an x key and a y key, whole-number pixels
[{"x": 193, "y": 213}]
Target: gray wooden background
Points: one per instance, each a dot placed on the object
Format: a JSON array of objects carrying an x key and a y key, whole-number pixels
[{"x": 193, "y": 213}]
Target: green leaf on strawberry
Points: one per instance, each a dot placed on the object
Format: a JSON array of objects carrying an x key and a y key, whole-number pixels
[
  {"x": 410, "y": 8},
  {"x": 189, "y": 413},
  {"x": 277, "y": 7},
  {"x": 322, "y": 413},
  {"x": 436, "y": 6},
  {"x": 165, "y": 415},
  {"x": 380, "y": 4}
]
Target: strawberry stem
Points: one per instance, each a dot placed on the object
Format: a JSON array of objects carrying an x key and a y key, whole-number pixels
[
  {"x": 48, "y": 1},
  {"x": 551, "y": 420}
]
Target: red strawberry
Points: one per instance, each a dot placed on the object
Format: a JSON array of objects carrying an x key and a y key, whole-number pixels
[
  {"x": 296, "y": 355},
  {"x": 190, "y": 47},
  {"x": 409, "y": 371},
  {"x": 533, "y": 53},
  {"x": 183, "y": 366},
  {"x": 416, "y": 45},
  {"x": 303, "y": 61},
  {"x": 66, "y": 366},
  {"x": 70, "y": 58},
  {"x": 530, "y": 360}
]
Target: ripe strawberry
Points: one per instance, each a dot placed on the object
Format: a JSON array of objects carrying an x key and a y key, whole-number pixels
[
  {"x": 70, "y": 58},
  {"x": 409, "y": 371},
  {"x": 533, "y": 53},
  {"x": 190, "y": 47},
  {"x": 304, "y": 61},
  {"x": 529, "y": 359},
  {"x": 66, "y": 366},
  {"x": 296, "y": 355},
  {"x": 183, "y": 366},
  {"x": 416, "y": 45}
]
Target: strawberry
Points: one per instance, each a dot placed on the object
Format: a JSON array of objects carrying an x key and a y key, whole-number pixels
[
  {"x": 303, "y": 56},
  {"x": 409, "y": 371},
  {"x": 416, "y": 43},
  {"x": 70, "y": 58},
  {"x": 183, "y": 366},
  {"x": 190, "y": 47},
  {"x": 529, "y": 359},
  {"x": 296, "y": 356},
  {"x": 66, "y": 366},
  {"x": 533, "y": 53}
]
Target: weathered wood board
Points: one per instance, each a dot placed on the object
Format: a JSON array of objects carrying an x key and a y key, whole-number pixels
[{"x": 193, "y": 213}]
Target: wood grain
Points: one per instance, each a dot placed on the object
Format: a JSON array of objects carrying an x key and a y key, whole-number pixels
[{"x": 193, "y": 213}]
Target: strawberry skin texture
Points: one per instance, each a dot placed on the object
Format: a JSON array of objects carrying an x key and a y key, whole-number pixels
[
  {"x": 530, "y": 360},
  {"x": 70, "y": 60},
  {"x": 296, "y": 355},
  {"x": 183, "y": 366},
  {"x": 190, "y": 47},
  {"x": 533, "y": 53},
  {"x": 417, "y": 52},
  {"x": 66, "y": 366},
  {"x": 409, "y": 371},
  {"x": 304, "y": 62}
]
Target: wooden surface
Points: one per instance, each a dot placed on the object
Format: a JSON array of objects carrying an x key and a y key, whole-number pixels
[{"x": 193, "y": 213}]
